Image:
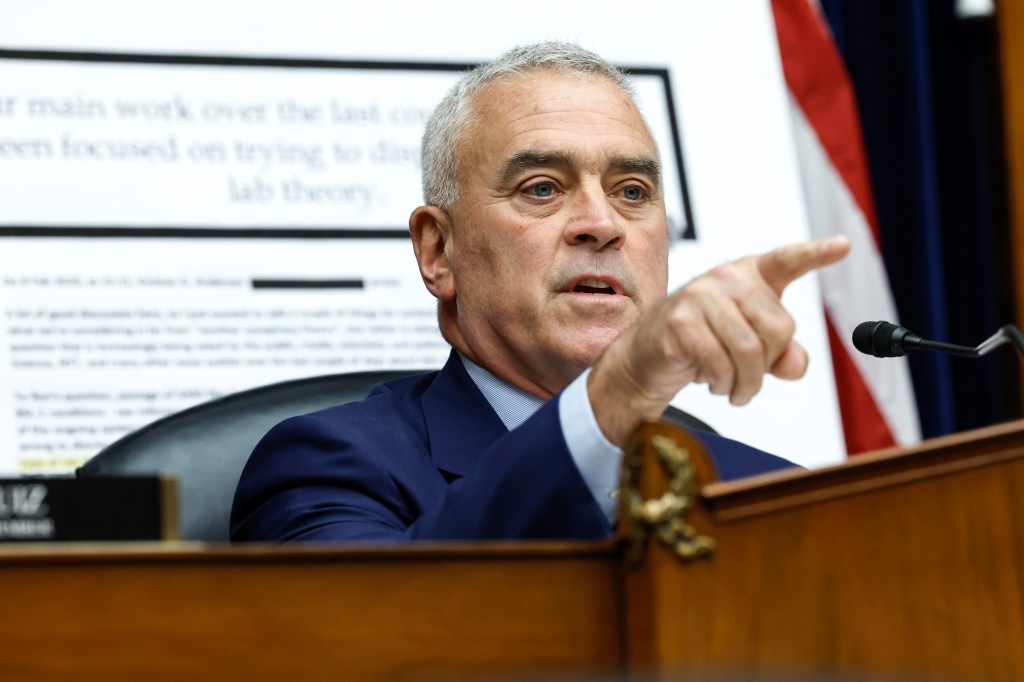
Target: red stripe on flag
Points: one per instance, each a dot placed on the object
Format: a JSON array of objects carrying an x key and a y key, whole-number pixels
[
  {"x": 864, "y": 426},
  {"x": 818, "y": 79}
]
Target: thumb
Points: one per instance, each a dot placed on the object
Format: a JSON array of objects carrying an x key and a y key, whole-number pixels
[{"x": 792, "y": 364}]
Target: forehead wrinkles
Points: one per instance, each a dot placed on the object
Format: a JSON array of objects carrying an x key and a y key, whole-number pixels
[
  {"x": 520, "y": 109},
  {"x": 503, "y": 114}
]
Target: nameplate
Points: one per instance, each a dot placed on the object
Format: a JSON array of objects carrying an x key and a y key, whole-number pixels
[{"x": 115, "y": 508}]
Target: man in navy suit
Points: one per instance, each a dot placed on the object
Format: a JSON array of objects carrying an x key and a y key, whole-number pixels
[{"x": 545, "y": 241}]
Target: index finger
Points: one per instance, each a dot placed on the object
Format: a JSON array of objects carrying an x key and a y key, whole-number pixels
[{"x": 785, "y": 264}]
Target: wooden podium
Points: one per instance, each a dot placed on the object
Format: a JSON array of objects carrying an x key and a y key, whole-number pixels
[{"x": 904, "y": 565}]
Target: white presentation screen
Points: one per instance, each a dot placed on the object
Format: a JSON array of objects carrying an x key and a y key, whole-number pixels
[{"x": 189, "y": 213}]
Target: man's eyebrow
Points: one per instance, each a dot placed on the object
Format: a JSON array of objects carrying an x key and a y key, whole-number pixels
[
  {"x": 531, "y": 159},
  {"x": 644, "y": 165}
]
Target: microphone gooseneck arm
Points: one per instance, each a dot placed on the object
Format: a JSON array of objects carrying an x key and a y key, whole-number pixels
[{"x": 1007, "y": 334}]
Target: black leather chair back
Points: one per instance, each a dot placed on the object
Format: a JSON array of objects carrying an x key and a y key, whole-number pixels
[{"x": 206, "y": 446}]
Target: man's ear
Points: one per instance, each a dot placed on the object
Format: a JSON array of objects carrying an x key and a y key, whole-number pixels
[{"x": 430, "y": 228}]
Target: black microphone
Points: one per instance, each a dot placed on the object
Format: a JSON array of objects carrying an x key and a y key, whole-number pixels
[{"x": 887, "y": 340}]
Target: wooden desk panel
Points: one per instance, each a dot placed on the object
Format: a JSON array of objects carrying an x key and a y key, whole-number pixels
[
  {"x": 904, "y": 565},
  {"x": 357, "y": 614}
]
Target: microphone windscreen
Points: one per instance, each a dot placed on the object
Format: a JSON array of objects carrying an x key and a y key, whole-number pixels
[
  {"x": 862, "y": 337},
  {"x": 875, "y": 338}
]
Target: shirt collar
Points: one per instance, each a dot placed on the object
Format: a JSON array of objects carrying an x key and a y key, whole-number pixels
[{"x": 512, "y": 405}]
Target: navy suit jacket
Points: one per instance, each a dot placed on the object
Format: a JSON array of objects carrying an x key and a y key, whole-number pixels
[{"x": 426, "y": 457}]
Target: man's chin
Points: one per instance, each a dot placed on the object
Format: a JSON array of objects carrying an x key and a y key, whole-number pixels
[{"x": 589, "y": 345}]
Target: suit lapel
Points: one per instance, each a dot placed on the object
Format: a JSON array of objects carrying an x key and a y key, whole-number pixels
[{"x": 460, "y": 422}]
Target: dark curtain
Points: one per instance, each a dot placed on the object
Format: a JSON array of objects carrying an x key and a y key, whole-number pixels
[{"x": 927, "y": 84}]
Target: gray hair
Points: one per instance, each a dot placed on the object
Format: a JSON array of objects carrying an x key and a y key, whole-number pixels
[{"x": 450, "y": 123}]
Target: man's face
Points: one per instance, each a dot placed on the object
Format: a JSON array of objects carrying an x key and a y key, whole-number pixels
[{"x": 558, "y": 241}]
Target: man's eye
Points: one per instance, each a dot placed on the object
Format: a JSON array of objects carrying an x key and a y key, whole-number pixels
[
  {"x": 543, "y": 189},
  {"x": 634, "y": 193}
]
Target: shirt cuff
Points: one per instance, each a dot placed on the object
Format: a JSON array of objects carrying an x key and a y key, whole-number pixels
[{"x": 598, "y": 460}]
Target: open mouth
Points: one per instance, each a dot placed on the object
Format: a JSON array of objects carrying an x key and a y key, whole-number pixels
[{"x": 593, "y": 286}]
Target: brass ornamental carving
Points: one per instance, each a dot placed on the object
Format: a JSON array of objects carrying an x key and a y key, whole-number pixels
[{"x": 664, "y": 516}]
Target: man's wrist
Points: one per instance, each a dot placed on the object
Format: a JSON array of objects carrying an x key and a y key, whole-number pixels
[{"x": 619, "y": 404}]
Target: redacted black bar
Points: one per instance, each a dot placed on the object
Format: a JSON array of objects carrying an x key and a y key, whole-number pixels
[{"x": 308, "y": 284}]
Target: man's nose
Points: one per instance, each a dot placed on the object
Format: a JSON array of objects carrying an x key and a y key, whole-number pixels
[{"x": 594, "y": 221}]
